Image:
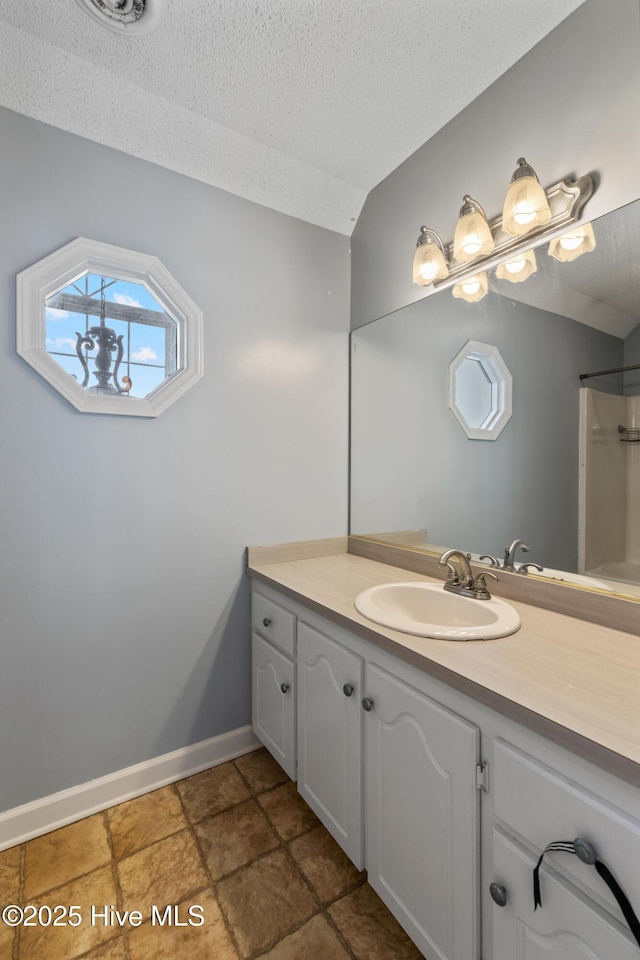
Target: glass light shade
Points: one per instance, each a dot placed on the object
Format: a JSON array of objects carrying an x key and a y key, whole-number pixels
[
  {"x": 572, "y": 245},
  {"x": 519, "y": 268},
  {"x": 429, "y": 263},
  {"x": 525, "y": 206},
  {"x": 472, "y": 289},
  {"x": 472, "y": 237}
]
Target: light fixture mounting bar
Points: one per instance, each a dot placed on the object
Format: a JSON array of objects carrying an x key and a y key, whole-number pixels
[{"x": 566, "y": 200}]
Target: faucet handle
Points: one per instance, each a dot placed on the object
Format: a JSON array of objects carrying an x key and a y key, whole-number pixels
[
  {"x": 524, "y": 567},
  {"x": 479, "y": 585},
  {"x": 452, "y": 573},
  {"x": 492, "y": 560}
]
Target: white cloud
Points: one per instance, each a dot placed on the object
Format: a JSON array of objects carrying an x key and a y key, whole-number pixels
[
  {"x": 144, "y": 355},
  {"x": 53, "y": 314},
  {"x": 126, "y": 299},
  {"x": 59, "y": 343}
]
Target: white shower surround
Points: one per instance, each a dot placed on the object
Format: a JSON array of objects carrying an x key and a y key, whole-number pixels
[{"x": 609, "y": 539}]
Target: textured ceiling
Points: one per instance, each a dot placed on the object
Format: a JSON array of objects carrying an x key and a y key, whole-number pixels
[{"x": 301, "y": 105}]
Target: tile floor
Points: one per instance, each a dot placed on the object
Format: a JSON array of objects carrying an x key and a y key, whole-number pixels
[{"x": 236, "y": 844}]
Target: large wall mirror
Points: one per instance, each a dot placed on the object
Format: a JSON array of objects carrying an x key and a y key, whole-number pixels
[{"x": 561, "y": 475}]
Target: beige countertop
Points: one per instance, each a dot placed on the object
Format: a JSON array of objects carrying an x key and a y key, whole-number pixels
[{"x": 576, "y": 682}]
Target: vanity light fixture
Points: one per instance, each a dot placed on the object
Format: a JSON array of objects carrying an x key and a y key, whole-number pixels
[
  {"x": 472, "y": 237},
  {"x": 526, "y": 206},
  {"x": 429, "y": 262},
  {"x": 531, "y": 215},
  {"x": 472, "y": 289},
  {"x": 572, "y": 245},
  {"x": 518, "y": 269}
]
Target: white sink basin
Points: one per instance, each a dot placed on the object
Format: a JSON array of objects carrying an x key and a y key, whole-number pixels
[{"x": 428, "y": 610}]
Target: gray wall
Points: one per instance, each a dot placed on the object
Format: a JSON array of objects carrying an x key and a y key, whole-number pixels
[
  {"x": 569, "y": 106},
  {"x": 123, "y": 605},
  {"x": 414, "y": 468}
]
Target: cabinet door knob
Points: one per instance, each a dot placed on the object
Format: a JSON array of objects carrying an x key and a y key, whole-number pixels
[
  {"x": 348, "y": 689},
  {"x": 266, "y": 621},
  {"x": 284, "y": 687},
  {"x": 367, "y": 704},
  {"x": 498, "y": 894}
]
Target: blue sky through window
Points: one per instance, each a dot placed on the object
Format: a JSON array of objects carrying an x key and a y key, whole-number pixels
[{"x": 149, "y": 346}]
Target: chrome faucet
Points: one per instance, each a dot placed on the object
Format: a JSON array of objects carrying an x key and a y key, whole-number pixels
[
  {"x": 509, "y": 554},
  {"x": 461, "y": 580},
  {"x": 509, "y": 559},
  {"x": 464, "y": 576}
]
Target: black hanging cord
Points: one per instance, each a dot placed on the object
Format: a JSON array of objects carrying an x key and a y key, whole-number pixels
[
  {"x": 585, "y": 852},
  {"x": 623, "y": 903}
]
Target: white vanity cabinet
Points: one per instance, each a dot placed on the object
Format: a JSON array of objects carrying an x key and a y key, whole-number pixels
[
  {"x": 392, "y": 775},
  {"x": 273, "y": 638},
  {"x": 447, "y": 803}
]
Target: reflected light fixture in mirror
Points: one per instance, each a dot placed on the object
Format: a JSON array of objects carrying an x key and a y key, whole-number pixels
[
  {"x": 472, "y": 289},
  {"x": 572, "y": 245},
  {"x": 472, "y": 237},
  {"x": 518, "y": 269},
  {"x": 429, "y": 263},
  {"x": 526, "y": 205}
]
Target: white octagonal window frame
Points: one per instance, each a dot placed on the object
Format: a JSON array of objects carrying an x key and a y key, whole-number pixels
[
  {"x": 64, "y": 266},
  {"x": 499, "y": 383}
]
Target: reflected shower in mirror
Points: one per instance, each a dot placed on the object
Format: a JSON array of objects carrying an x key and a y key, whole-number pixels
[{"x": 413, "y": 468}]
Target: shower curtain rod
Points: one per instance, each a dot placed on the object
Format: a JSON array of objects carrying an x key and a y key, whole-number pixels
[{"x": 601, "y": 373}]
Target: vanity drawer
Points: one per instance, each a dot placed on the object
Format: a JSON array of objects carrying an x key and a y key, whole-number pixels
[
  {"x": 540, "y": 805},
  {"x": 274, "y": 622},
  {"x": 567, "y": 924}
]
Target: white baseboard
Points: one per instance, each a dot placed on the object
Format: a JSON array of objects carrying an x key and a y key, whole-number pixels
[{"x": 41, "y": 816}]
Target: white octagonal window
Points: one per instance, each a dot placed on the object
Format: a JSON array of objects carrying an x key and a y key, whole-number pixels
[
  {"x": 109, "y": 328},
  {"x": 480, "y": 390}
]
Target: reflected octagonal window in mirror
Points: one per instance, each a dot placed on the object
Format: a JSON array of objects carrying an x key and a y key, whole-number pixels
[
  {"x": 480, "y": 390},
  {"x": 109, "y": 328}
]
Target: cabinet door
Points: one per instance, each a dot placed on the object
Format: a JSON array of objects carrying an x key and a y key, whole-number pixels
[
  {"x": 330, "y": 736},
  {"x": 273, "y": 702},
  {"x": 566, "y": 927},
  {"x": 422, "y": 811}
]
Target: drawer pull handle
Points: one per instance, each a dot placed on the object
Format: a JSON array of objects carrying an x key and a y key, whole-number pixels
[
  {"x": 348, "y": 689},
  {"x": 498, "y": 894},
  {"x": 266, "y": 621},
  {"x": 284, "y": 687},
  {"x": 367, "y": 704},
  {"x": 585, "y": 852}
]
